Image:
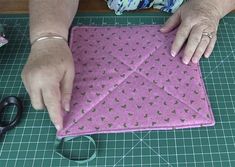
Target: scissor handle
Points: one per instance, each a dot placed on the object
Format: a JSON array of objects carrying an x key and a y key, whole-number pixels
[{"x": 8, "y": 101}]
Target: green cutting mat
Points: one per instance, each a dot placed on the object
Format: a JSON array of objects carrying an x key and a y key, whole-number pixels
[{"x": 31, "y": 142}]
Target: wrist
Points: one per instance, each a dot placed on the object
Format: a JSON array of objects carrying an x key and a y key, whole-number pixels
[
  {"x": 38, "y": 32},
  {"x": 49, "y": 36},
  {"x": 49, "y": 44},
  {"x": 225, "y": 7}
]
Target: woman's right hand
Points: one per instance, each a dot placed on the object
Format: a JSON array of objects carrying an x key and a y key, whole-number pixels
[{"x": 48, "y": 78}]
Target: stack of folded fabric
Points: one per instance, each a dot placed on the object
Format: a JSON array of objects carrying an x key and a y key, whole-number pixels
[
  {"x": 119, "y": 6},
  {"x": 3, "y": 40}
]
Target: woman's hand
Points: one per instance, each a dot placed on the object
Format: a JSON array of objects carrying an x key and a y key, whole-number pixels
[
  {"x": 48, "y": 78},
  {"x": 194, "y": 18}
]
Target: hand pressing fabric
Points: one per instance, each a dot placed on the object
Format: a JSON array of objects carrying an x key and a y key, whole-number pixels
[
  {"x": 198, "y": 23},
  {"x": 197, "y": 20},
  {"x": 48, "y": 77},
  {"x": 49, "y": 72}
]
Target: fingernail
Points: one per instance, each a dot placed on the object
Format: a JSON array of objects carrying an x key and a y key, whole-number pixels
[
  {"x": 162, "y": 29},
  {"x": 67, "y": 107},
  {"x": 58, "y": 127},
  {"x": 185, "y": 61},
  {"x": 173, "y": 53},
  {"x": 195, "y": 60}
]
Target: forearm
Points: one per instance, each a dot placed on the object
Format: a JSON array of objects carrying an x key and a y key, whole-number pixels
[
  {"x": 225, "y": 6},
  {"x": 51, "y": 16}
]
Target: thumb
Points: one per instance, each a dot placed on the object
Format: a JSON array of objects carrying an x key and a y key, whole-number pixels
[
  {"x": 171, "y": 23},
  {"x": 66, "y": 89}
]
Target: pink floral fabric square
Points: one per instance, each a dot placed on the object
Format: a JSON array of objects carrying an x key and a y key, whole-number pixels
[{"x": 126, "y": 80}]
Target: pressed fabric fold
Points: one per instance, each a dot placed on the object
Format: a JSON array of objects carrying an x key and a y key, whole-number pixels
[{"x": 126, "y": 80}]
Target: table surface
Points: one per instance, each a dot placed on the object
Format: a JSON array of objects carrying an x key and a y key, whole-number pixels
[
  {"x": 31, "y": 142},
  {"x": 21, "y": 6}
]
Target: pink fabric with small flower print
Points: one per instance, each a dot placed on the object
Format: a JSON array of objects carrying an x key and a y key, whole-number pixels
[{"x": 126, "y": 81}]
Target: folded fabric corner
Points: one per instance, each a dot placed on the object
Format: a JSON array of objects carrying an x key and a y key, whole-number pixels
[{"x": 3, "y": 41}]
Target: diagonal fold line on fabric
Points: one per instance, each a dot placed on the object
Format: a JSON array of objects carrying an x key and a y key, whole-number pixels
[
  {"x": 133, "y": 70},
  {"x": 174, "y": 97},
  {"x": 110, "y": 91},
  {"x": 166, "y": 90}
]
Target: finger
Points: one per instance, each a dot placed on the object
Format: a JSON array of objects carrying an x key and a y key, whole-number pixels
[
  {"x": 25, "y": 82},
  {"x": 210, "y": 47},
  {"x": 192, "y": 43},
  {"x": 171, "y": 23},
  {"x": 51, "y": 97},
  {"x": 26, "y": 87},
  {"x": 36, "y": 98},
  {"x": 66, "y": 89},
  {"x": 181, "y": 36},
  {"x": 201, "y": 49}
]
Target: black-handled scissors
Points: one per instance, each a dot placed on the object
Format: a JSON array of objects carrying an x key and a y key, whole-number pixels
[{"x": 11, "y": 101}]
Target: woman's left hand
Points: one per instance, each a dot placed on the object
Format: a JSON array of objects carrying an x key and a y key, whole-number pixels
[{"x": 198, "y": 23}]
